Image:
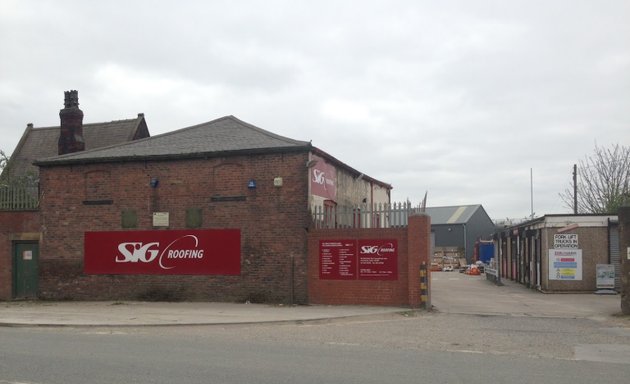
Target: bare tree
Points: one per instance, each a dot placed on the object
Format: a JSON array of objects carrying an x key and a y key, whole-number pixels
[
  {"x": 4, "y": 160},
  {"x": 603, "y": 181}
]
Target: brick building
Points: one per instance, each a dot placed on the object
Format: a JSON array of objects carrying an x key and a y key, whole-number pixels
[
  {"x": 20, "y": 219},
  {"x": 561, "y": 253},
  {"x": 231, "y": 201}
]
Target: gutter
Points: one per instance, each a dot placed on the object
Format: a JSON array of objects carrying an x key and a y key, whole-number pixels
[{"x": 171, "y": 156}]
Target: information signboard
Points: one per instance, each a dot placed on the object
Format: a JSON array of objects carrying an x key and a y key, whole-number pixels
[
  {"x": 605, "y": 276},
  {"x": 363, "y": 259},
  {"x": 565, "y": 240},
  {"x": 337, "y": 259},
  {"x": 565, "y": 264},
  {"x": 378, "y": 259}
]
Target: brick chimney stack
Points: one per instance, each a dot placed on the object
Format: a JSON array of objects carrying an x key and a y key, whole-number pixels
[{"x": 71, "y": 135}]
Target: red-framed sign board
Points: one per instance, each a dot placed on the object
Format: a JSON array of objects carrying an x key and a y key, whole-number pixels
[
  {"x": 348, "y": 259},
  {"x": 178, "y": 252},
  {"x": 378, "y": 259}
]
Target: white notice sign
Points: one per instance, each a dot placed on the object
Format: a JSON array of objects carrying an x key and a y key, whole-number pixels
[
  {"x": 605, "y": 276},
  {"x": 160, "y": 219},
  {"x": 565, "y": 240}
]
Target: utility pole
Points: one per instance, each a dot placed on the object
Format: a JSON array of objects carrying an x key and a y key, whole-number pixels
[
  {"x": 531, "y": 186},
  {"x": 575, "y": 206}
]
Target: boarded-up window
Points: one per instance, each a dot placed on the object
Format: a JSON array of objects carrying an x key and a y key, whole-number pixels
[
  {"x": 193, "y": 218},
  {"x": 229, "y": 180},
  {"x": 98, "y": 185},
  {"x": 129, "y": 219}
]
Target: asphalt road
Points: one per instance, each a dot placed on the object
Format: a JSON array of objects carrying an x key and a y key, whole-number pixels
[
  {"x": 460, "y": 343},
  {"x": 344, "y": 352}
]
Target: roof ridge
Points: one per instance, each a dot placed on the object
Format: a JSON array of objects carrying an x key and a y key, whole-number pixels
[
  {"x": 455, "y": 206},
  {"x": 264, "y": 131},
  {"x": 197, "y": 129},
  {"x": 84, "y": 124},
  {"x": 227, "y": 117}
]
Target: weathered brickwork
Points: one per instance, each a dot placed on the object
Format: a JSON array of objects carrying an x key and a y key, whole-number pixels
[
  {"x": 594, "y": 245},
  {"x": 413, "y": 249},
  {"x": 14, "y": 227},
  {"x": 524, "y": 252},
  {"x": 272, "y": 220}
]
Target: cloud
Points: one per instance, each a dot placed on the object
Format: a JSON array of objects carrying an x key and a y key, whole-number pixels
[{"x": 455, "y": 97}]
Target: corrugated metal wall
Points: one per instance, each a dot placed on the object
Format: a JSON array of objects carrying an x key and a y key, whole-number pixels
[{"x": 615, "y": 258}]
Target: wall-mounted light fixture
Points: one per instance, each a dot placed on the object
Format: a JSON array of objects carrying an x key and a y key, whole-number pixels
[
  {"x": 277, "y": 182},
  {"x": 251, "y": 184},
  {"x": 154, "y": 182}
]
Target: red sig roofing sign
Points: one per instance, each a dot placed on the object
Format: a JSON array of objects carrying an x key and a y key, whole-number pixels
[
  {"x": 351, "y": 259},
  {"x": 181, "y": 252}
]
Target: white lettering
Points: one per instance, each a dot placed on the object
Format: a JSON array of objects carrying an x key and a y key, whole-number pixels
[
  {"x": 134, "y": 252},
  {"x": 319, "y": 177},
  {"x": 375, "y": 249},
  {"x": 369, "y": 249},
  {"x": 185, "y": 254},
  {"x": 138, "y": 252}
]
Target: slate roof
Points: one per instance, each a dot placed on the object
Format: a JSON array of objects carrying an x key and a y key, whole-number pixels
[
  {"x": 223, "y": 136},
  {"x": 38, "y": 143},
  {"x": 452, "y": 215}
]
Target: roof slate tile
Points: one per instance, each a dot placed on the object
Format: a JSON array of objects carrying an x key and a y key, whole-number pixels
[{"x": 226, "y": 134}]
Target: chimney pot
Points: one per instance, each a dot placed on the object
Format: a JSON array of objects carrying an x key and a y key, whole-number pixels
[
  {"x": 71, "y": 99},
  {"x": 71, "y": 133}
]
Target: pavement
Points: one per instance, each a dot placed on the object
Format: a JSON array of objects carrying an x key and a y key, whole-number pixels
[
  {"x": 133, "y": 313},
  {"x": 451, "y": 292}
]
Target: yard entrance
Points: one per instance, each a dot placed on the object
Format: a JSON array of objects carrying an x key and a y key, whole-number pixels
[{"x": 453, "y": 292}]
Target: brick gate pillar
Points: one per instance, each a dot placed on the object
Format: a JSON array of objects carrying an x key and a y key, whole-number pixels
[
  {"x": 418, "y": 247},
  {"x": 624, "y": 250}
]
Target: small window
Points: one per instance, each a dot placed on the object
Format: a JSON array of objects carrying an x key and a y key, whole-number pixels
[
  {"x": 129, "y": 219},
  {"x": 98, "y": 186},
  {"x": 193, "y": 218}
]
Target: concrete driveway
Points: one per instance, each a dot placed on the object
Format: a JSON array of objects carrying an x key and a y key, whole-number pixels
[{"x": 453, "y": 292}]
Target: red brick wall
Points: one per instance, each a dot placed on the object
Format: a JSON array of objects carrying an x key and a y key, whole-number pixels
[
  {"x": 414, "y": 247},
  {"x": 14, "y": 226},
  {"x": 272, "y": 222}
]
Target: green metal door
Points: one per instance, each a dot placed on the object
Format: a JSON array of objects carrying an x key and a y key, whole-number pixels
[{"x": 25, "y": 270}]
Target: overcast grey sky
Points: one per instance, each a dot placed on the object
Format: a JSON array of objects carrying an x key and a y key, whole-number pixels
[{"x": 457, "y": 98}]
